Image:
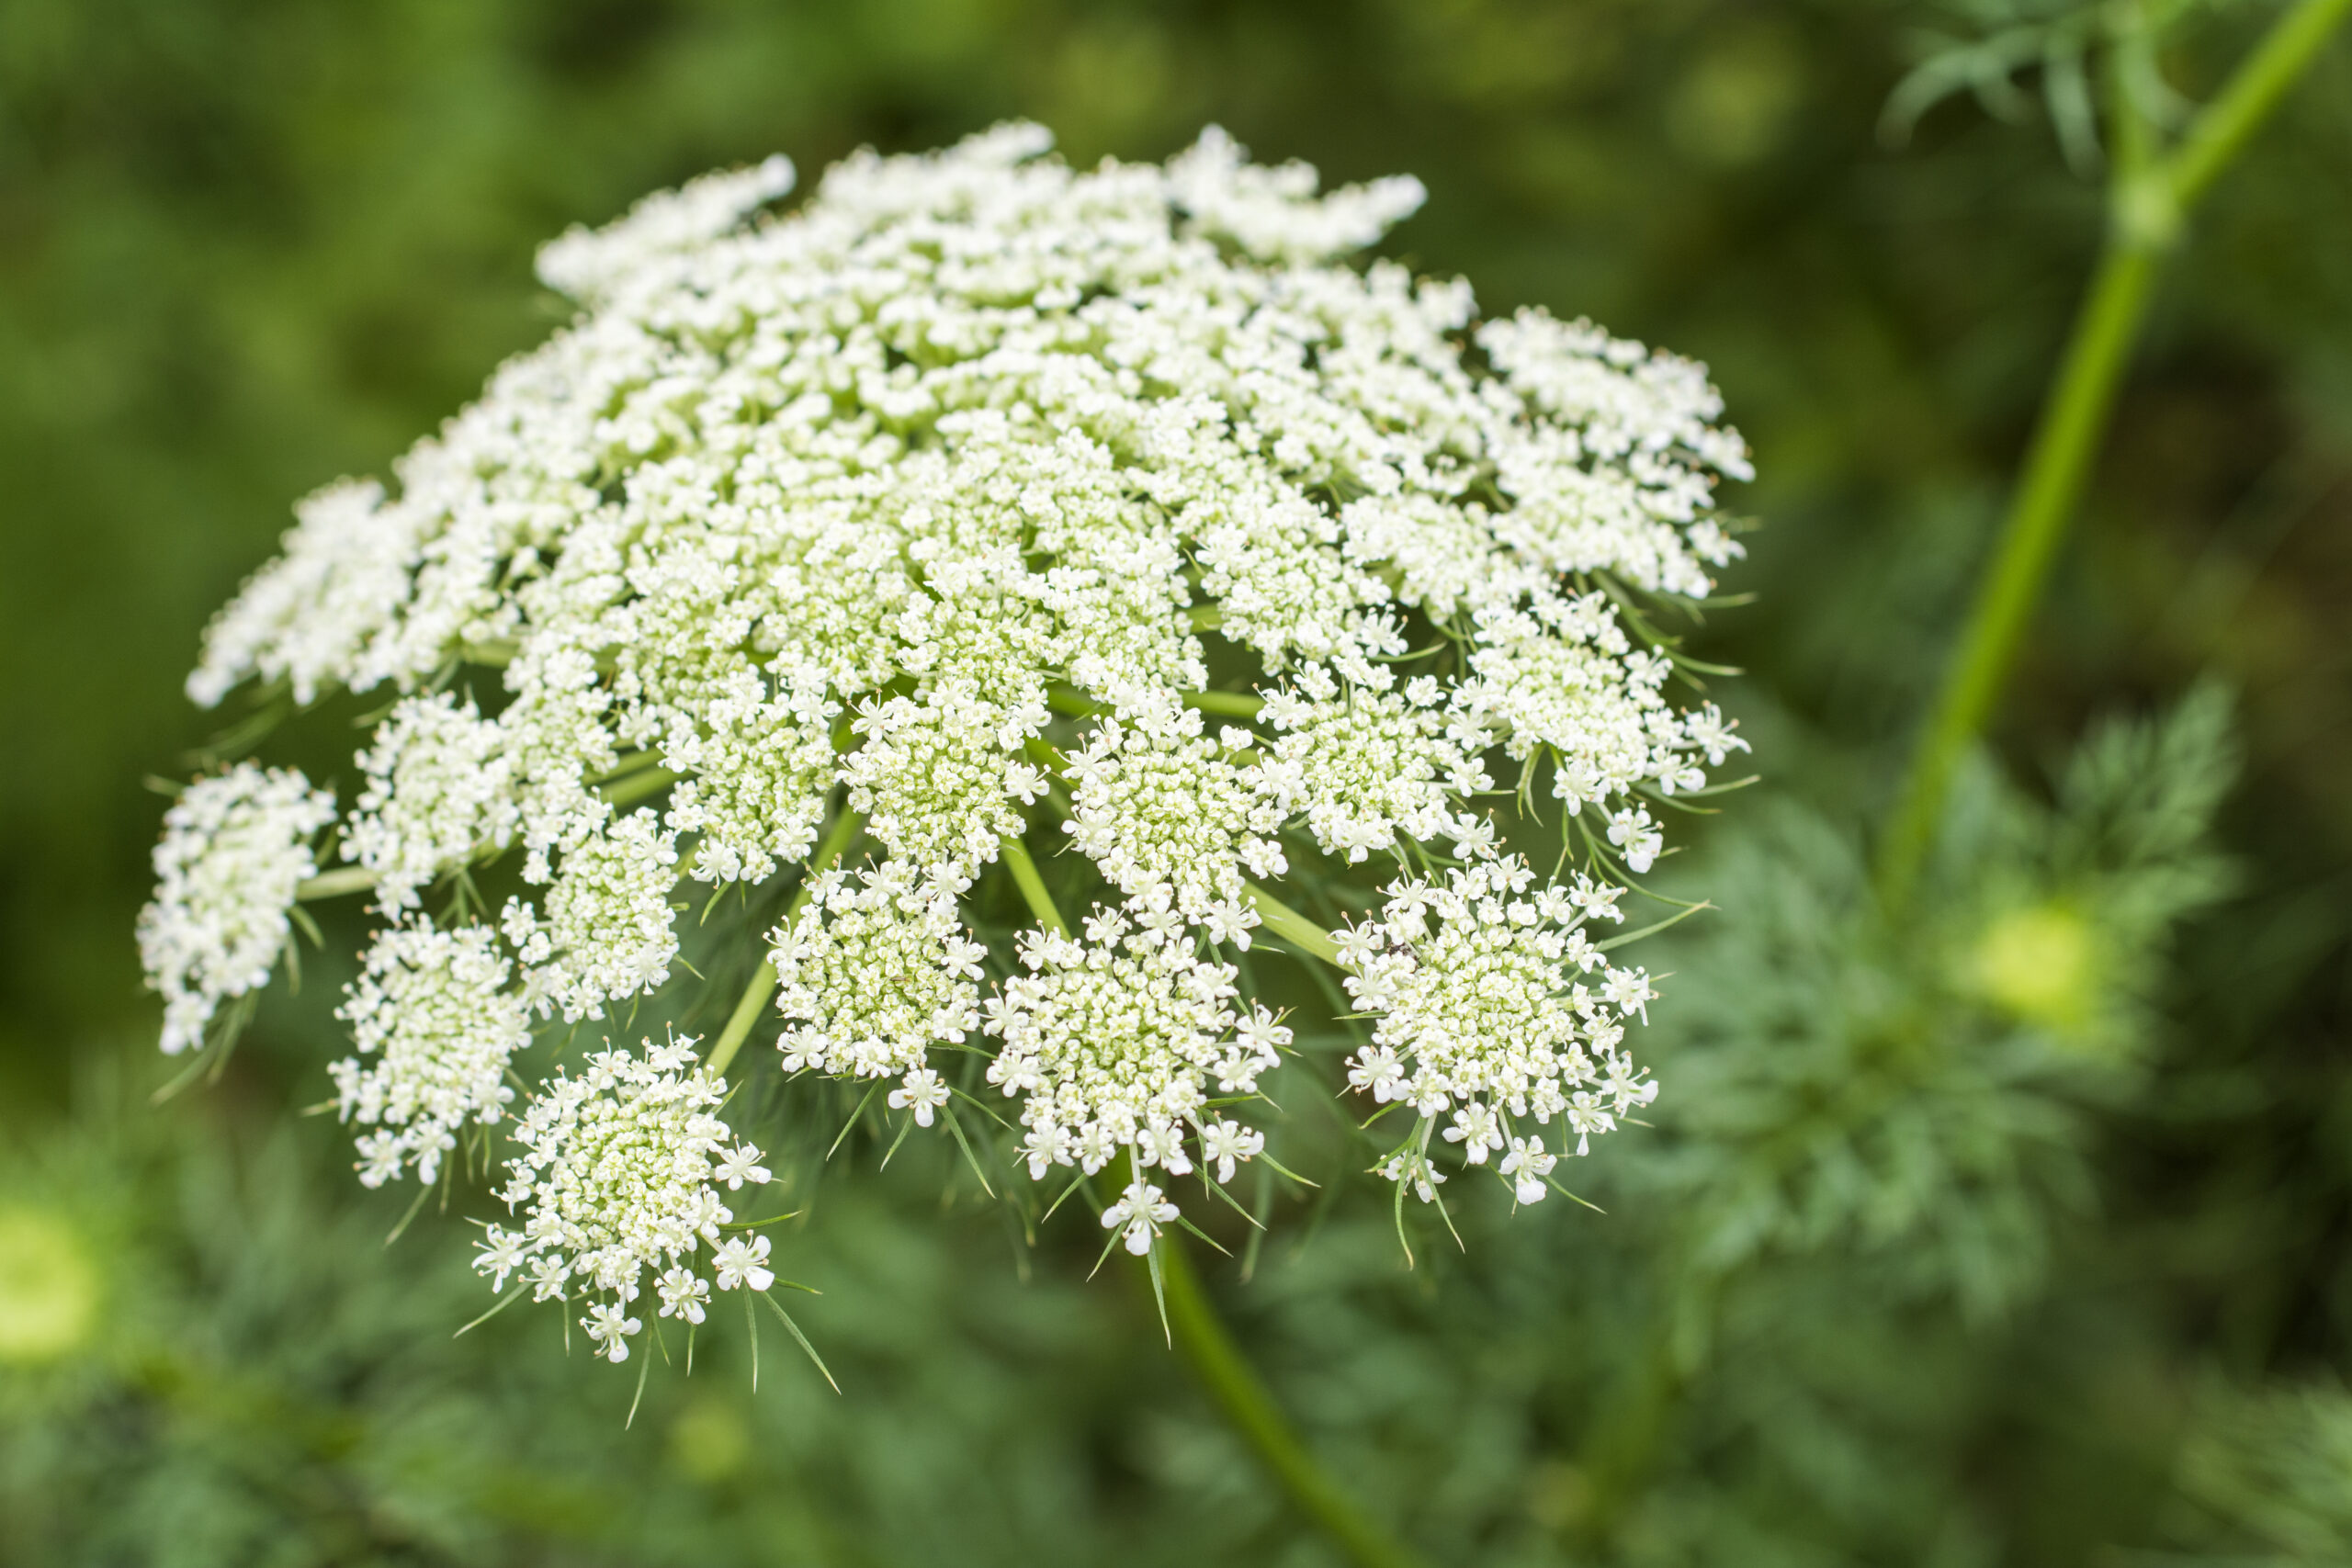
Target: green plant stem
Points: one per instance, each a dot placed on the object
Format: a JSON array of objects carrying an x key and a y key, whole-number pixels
[
  {"x": 2223, "y": 128},
  {"x": 1291, "y": 926},
  {"x": 845, "y": 829},
  {"x": 1217, "y": 1361},
  {"x": 2056, "y": 464},
  {"x": 335, "y": 884},
  {"x": 1236, "y": 704},
  {"x": 1230, "y": 1380},
  {"x": 1032, "y": 885},
  {"x": 2149, "y": 199}
]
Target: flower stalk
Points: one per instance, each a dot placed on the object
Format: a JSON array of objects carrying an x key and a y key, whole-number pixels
[
  {"x": 2150, "y": 196},
  {"x": 1209, "y": 1348},
  {"x": 1243, "y": 1396}
]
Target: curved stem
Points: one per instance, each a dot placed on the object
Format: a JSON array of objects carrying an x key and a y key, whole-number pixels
[
  {"x": 2149, "y": 199},
  {"x": 1230, "y": 1380},
  {"x": 761, "y": 986}
]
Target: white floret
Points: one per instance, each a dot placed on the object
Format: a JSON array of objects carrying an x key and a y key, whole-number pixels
[
  {"x": 873, "y": 974},
  {"x": 436, "y": 1027},
  {"x": 440, "y": 791},
  {"x": 607, "y": 930},
  {"x": 235, "y": 848},
  {"x": 616, "y": 1177},
  {"x": 1487, "y": 1015}
]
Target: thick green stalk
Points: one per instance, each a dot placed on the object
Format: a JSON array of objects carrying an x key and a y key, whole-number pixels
[
  {"x": 755, "y": 996},
  {"x": 2055, "y": 466},
  {"x": 2149, "y": 200},
  {"x": 1235, "y": 1386}
]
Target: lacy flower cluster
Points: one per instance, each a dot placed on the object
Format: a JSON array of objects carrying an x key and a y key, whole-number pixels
[
  {"x": 977, "y": 502},
  {"x": 617, "y": 1178}
]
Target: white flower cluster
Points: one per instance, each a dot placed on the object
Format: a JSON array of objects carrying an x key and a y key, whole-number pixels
[
  {"x": 1484, "y": 1018},
  {"x": 964, "y": 429},
  {"x": 620, "y": 1170},
  {"x": 432, "y": 1010},
  {"x": 872, "y": 973},
  {"x": 1114, "y": 1041},
  {"x": 1365, "y": 766},
  {"x": 937, "y": 500},
  {"x": 607, "y": 933},
  {"x": 1157, "y": 804},
  {"x": 234, "y": 849},
  {"x": 439, "y": 791}
]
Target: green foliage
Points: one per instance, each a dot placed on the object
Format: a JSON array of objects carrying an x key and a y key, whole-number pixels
[
  {"x": 2011, "y": 1234},
  {"x": 2269, "y": 1476}
]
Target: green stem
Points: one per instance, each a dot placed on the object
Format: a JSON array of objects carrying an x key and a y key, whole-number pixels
[
  {"x": 2223, "y": 128},
  {"x": 1032, "y": 885},
  {"x": 1236, "y": 704},
  {"x": 2055, "y": 466},
  {"x": 1235, "y": 1386},
  {"x": 1291, "y": 926},
  {"x": 755, "y": 995},
  {"x": 2149, "y": 200},
  {"x": 335, "y": 884},
  {"x": 630, "y": 788},
  {"x": 1216, "y": 1359}
]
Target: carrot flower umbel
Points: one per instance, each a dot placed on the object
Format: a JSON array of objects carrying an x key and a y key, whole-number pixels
[{"x": 845, "y": 552}]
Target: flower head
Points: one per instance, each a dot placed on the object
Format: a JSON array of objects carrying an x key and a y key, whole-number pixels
[
  {"x": 439, "y": 789},
  {"x": 235, "y": 848},
  {"x": 1483, "y": 1017},
  {"x": 872, "y": 973},
  {"x": 436, "y": 1027},
  {"x": 976, "y": 497},
  {"x": 617, "y": 1176}
]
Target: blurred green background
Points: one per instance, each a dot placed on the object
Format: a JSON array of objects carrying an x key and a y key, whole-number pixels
[{"x": 2022, "y": 1240}]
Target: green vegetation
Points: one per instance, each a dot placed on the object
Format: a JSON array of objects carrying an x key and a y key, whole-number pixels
[{"x": 2006, "y": 1226}]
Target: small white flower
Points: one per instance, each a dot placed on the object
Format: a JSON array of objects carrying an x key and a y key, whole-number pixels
[
  {"x": 738, "y": 1164},
  {"x": 609, "y": 1326},
  {"x": 1426, "y": 1177},
  {"x": 501, "y": 1253},
  {"x": 1142, "y": 1210},
  {"x": 1476, "y": 1130},
  {"x": 1162, "y": 1143},
  {"x": 1527, "y": 1165},
  {"x": 740, "y": 1263},
  {"x": 921, "y": 1091},
  {"x": 683, "y": 1294},
  {"x": 549, "y": 1275},
  {"x": 1222, "y": 1143}
]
